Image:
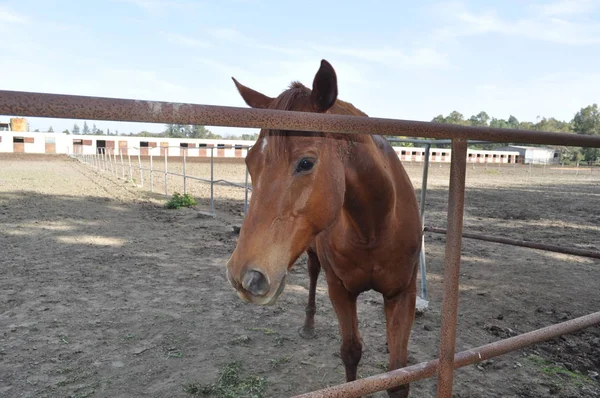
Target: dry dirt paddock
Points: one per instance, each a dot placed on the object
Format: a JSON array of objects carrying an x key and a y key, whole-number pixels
[{"x": 105, "y": 293}]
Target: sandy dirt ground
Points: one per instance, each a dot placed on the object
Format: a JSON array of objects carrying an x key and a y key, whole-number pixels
[{"x": 105, "y": 293}]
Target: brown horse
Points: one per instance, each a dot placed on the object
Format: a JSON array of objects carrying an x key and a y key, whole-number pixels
[{"x": 347, "y": 201}]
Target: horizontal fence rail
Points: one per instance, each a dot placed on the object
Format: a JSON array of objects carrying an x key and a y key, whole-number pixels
[
  {"x": 424, "y": 370},
  {"x": 102, "y": 108},
  {"x": 523, "y": 243}
]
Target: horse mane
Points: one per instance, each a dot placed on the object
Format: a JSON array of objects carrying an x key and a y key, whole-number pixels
[{"x": 298, "y": 92}]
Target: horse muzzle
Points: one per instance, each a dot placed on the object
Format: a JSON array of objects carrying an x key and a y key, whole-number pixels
[{"x": 256, "y": 287}]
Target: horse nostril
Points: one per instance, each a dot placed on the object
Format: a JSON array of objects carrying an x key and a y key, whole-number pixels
[
  {"x": 256, "y": 283},
  {"x": 229, "y": 278}
]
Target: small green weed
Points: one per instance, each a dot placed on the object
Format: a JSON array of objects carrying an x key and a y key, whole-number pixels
[
  {"x": 241, "y": 340},
  {"x": 264, "y": 330},
  {"x": 553, "y": 370},
  {"x": 277, "y": 362},
  {"x": 174, "y": 354},
  {"x": 178, "y": 200},
  {"x": 230, "y": 384},
  {"x": 280, "y": 340},
  {"x": 493, "y": 171}
]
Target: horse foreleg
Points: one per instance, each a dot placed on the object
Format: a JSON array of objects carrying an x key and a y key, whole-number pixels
[
  {"x": 314, "y": 267},
  {"x": 344, "y": 303},
  {"x": 400, "y": 314}
]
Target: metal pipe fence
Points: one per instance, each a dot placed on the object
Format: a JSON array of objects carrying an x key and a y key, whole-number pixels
[
  {"x": 96, "y": 108},
  {"x": 105, "y": 159}
]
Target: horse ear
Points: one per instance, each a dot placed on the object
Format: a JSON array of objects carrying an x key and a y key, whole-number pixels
[
  {"x": 253, "y": 98},
  {"x": 325, "y": 90}
]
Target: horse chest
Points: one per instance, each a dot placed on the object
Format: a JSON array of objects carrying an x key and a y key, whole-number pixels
[
  {"x": 360, "y": 270},
  {"x": 353, "y": 270}
]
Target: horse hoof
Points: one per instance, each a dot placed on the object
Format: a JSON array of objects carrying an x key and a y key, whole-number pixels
[{"x": 307, "y": 333}]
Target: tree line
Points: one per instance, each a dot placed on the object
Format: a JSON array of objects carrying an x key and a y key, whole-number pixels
[
  {"x": 170, "y": 131},
  {"x": 586, "y": 121}
]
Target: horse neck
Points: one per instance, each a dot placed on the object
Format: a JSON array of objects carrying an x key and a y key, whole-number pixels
[{"x": 370, "y": 193}]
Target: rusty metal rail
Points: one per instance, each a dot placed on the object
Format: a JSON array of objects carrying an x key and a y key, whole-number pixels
[
  {"x": 97, "y": 108},
  {"x": 424, "y": 370},
  {"x": 523, "y": 243},
  {"x": 102, "y": 108}
]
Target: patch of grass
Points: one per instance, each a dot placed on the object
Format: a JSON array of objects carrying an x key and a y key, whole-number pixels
[
  {"x": 554, "y": 370},
  {"x": 266, "y": 331},
  {"x": 241, "y": 340},
  {"x": 230, "y": 384},
  {"x": 178, "y": 200},
  {"x": 280, "y": 340},
  {"x": 63, "y": 339},
  {"x": 174, "y": 354},
  {"x": 382, "y": 365},
  {"x": 130, "y": 336},
  {"x": 277, "y": 362}
]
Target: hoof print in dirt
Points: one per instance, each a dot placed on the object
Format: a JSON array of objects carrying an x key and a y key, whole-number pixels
[{"x": 307, "y": 333}]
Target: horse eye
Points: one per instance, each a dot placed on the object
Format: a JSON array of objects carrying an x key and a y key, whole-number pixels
[{"x": 304, "y": 165}]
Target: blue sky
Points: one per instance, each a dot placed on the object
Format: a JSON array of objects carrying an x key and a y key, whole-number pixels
[{"x": 397, "y": 59}]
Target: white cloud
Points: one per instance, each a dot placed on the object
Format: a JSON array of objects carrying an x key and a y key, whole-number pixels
[
  {"x": 564, "y": 7},
  {"x": 186, "y": 40},
  {"x": 420, "y": 58},
  {"x": 550, "y": 24},
  {"x": 154, "y": 6},
  {"x": 235, "y": 36},
  {"x": 8, "y": 16}
]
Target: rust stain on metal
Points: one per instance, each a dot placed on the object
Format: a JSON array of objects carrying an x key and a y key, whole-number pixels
[
  {"x": 423, "y": 370},
  {"x": 102, "y": 108},
  {"x": 456, "y": 195},
  {"x": 523, "y": 243}
]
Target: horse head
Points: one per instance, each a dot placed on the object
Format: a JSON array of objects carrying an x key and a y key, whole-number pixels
[{"x": 297, "y": 190}]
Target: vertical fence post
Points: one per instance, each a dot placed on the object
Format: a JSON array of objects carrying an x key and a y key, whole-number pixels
[
  {"x": 122, "y": 164},
  {"x": 422, "y": 263},
  {"x": 111, "y": 159},
  {"x": 184, "y": 177},
  {"x": 456, "y": 196},
  {"x": 130, "y": 168},
  {"x": 140, "y": 167},
  {"x": 212, "y": 197},
  {"x": 151, "y": 172},
  {"x": 166, "y": 149},
  {"x": 116, "y": 165}
]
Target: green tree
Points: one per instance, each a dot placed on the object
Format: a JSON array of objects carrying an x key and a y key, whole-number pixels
[
  {"x": 553, "y": 125},
  {"x": 249, "y": 137},
  {"x": 75, "y": 129},
  {"x": 587, "y": 122},
  {"x": 86, "y": 128},
  {"x": 481, "y": 119},
  {"x": 66, "y": 131},
  {"x": 499, "y": 123},
  {"x": 145, "y": 133},
  {"x": 513, "y": 122},
  {"x": 50, "y": 129}
]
